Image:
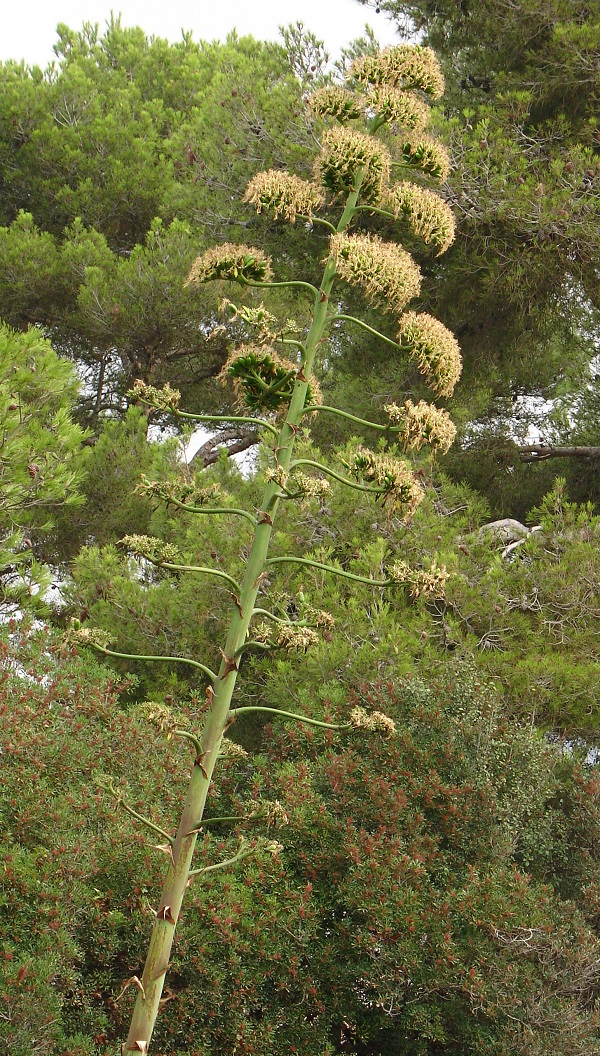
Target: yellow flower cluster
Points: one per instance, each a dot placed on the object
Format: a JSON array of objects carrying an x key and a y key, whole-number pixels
[
  {"x": 398, "y": 107},
  {"x": 283, "y": 194},
  {"x": 392, "y": 477},
  {"x": 404, "y": 66},
  {"x": 332, "y": 101},
  {"x": 165, "y": 399},
  {"x": 241, "y": 263},
  {"x": 430, "y": 217},
  {"x": 375, "y": 720},
  {"x": 93, "y": 636},
  {"x": 385, "y": 271},
  {"x": 426, "y": 154},
  {"x": 154, "y": 550},
  {"x": 421, "y": 583},
  {"x": 259, "y": 318},
  {"x": 422, "y": 423},
  {"x": 232, "y": 750},
  {"x": 435, "y": 349},
  {"x": 344, "y": 154}
]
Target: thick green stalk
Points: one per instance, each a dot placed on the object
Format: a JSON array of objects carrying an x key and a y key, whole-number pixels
[{"x": 221, "y": 691}]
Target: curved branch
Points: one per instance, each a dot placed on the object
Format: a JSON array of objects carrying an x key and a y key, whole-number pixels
[
  {"x": 335, "y": 476},
  {"x": 328, "y": 568},
  {"x": 261, "y": 423},
  {"x": 369, "y": 329},
  {"x": 278, "y": 285},
  {"x": 351, "y": 417},
  {"x": 166, "y": 659},
  {"x": 198, "y": 568},
  {"x": 541, "y": 452},
  {"x": 291, "y": 715},
  {"x": 213, "y": 509}
]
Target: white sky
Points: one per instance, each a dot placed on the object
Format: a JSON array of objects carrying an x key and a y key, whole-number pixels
[{"x": 28, "y": 26}]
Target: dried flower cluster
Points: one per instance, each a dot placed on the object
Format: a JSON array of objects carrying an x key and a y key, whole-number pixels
[
  {"x": 425, "y": 153},
  {"x": 430, "y": 217},
  {"x": 421, "y": 424},
  {"x": 160, "y": 716},
  {"x": 435, "y": 349},
  {"x": 232, "y": 750},
  {"x": 291, "y": 637},
  {"x": 385, "y": 271},
  {"x": 93, "y": 636},
  {"x": 165, "y": 399},
  {"x": 404, "y": 66},
  {"x": 374, "y": 721},
  {"x": 179, "y": 491},
  {"x": 427, "y": 583},
  {"x": 344, "y": 154},
  {"x": 392, "y": 477},
  {"x": 312, "y": 487},
  {"x": 332, "y": 101},
  {"x": 283, "y": 194},
  {"x": 399, "y": 108},
  {"x": 241, "y": 263},
  {"x": 157, "y": 551}
]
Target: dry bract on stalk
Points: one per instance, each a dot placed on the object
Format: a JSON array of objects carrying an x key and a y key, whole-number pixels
[
  {"x": 374, "y": 721},
  {"x": 385, "y": 271},
  {"x": 344, "y": 154},
  {"x": 242, "y": 263},
  {"x": 283, "y": 194},
  {"x": 333, "y": 101},
  {"x": 435, "y": 349},
  {"x": 404, "y": 66},
  {"x": 392, "y": 477},
  {"x": 421, "y": 424},
  {"x": 425, "y": 153},
  {"x": 398, "y": 107},
  {"x": 427, "y": 583},
  {"x": 430, "y": 217}
]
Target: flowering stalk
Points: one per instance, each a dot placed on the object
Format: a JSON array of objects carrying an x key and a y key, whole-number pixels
[{"x": 352, "y": 165}]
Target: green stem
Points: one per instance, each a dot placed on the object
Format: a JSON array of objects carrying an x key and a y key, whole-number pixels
[
  {"x": 369, "y": 329},
  {"x": 145, "y": 821},
  {"x": 291, "y": 715},
  {"x": 212, "y": 509},
  {"x": 166, "y": 659},
  {"x": 278, "y": 285},
  {"x": 374, "y": 209},
  {"x": 351, "y": 417},
  {"x": 317, "y": 220},
  {"x": 199, "y": 568},
  {"x": 259, "y": 422},
  {"x": 220, "y": 694},
  {"x": 336, "y": 476},
  {"x": 328, "y": 568},
  {"x": 239, "y": 857}
]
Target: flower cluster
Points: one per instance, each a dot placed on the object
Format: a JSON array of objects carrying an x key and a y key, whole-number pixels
[
  {"x": 179, "y": 491},
  {"x": 93, "y": 636},
  {"x": 232, "y": 750},
  {"x": 262, "y": 379},
  {"x": 312, "y": 487},
  {"x": 430, "y": 217},
  {"x": 430, "y": 583},
  {"x": 386, "y": 272},
  {"x": 344, "y": 154},
  {"x": 283, "y": 194},
  {"x": 160, "y": 716},
  {"x": 291, "y": 637},
  {"x": 241, "y": 263},
  {"x": 404, "y": 66},
  {"x": 259, "y": 318},
  {"x": 392, "y": 477},
  {"x": 399, "y": 108},
  {"x": 154, "y": 550},
  {"x": 422, "y": 423},
  {"x": 165, "y": 399},
  {"x": 435, "y": 349},
  {"x": 375, "y": 720},
  {"x": 426, "y": 154},
  {"x": 332, "y": 101}
]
